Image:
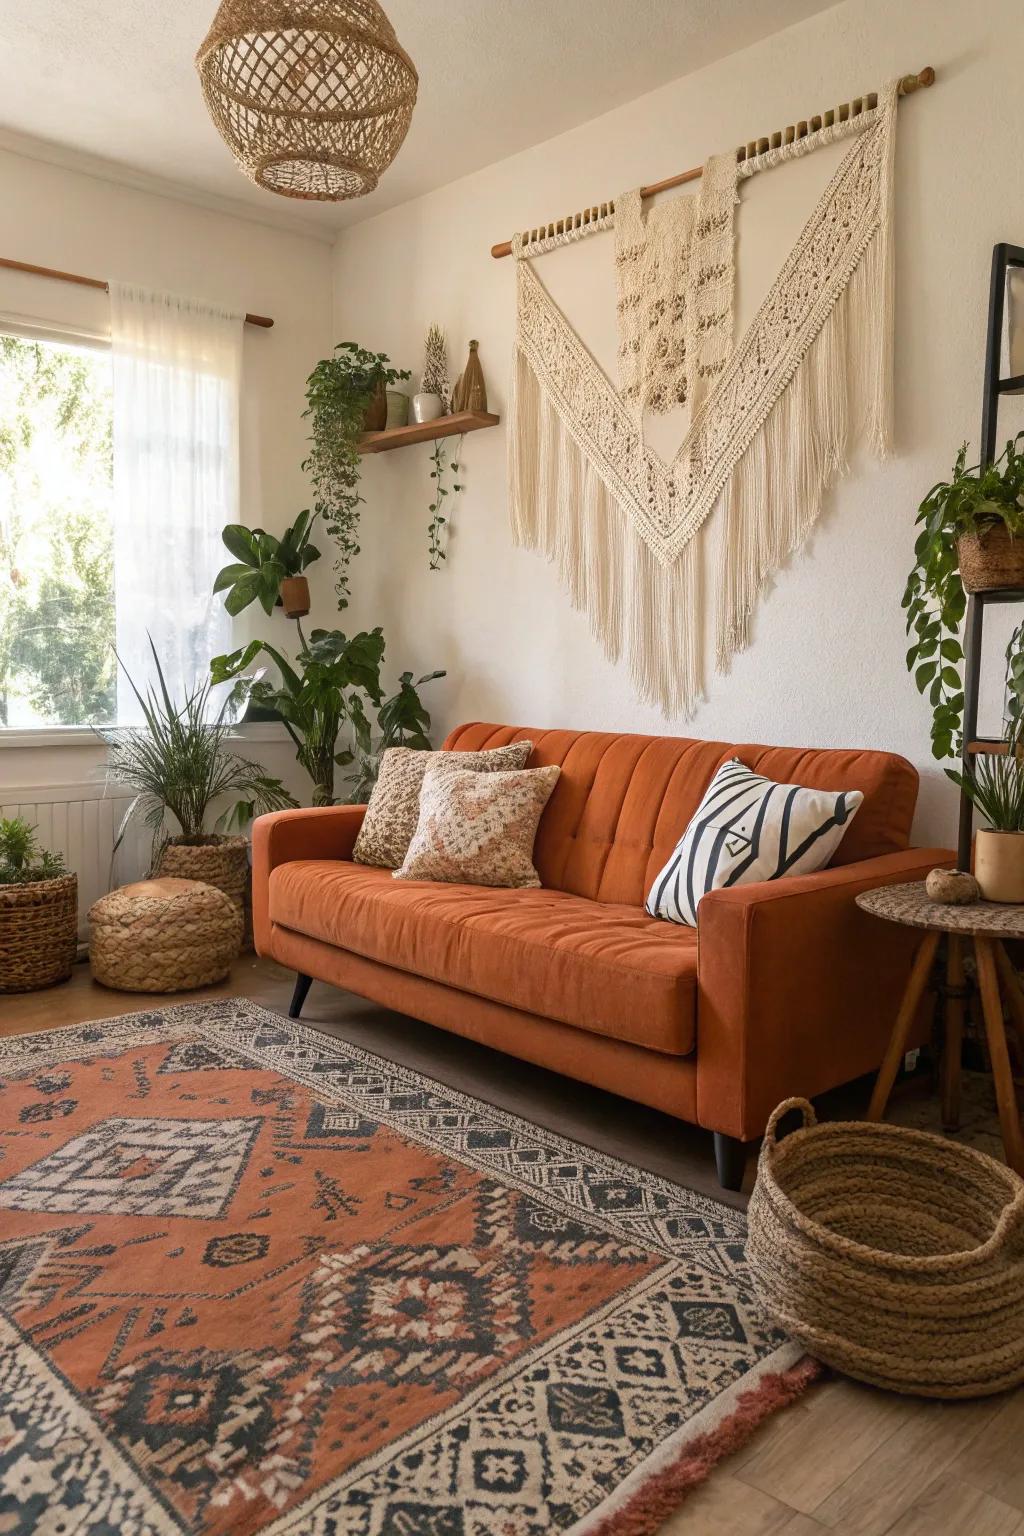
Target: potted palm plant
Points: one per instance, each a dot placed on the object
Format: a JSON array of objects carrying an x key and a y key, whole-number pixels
[
  {"x": 38, "y": 912},
  {"x": 993, "y": 781},
  {"x": 180, "y": 764}
]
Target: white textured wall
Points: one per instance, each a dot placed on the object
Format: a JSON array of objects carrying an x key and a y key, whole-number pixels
[
  {"x": 826, "y": 663},
  {"x": 61, "y": 218}
]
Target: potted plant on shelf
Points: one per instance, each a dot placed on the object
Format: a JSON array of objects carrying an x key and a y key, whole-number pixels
[
  {"x": 268, "y": 570},
  {"x": 332, "y": 683},
  {"x": 970, "y": 541},
  {"x": 38, "y": 912},
  {"x": 994, "y": 784},
  {"x": 180, "y": 765},
  {"x": 339, "y": 393}
]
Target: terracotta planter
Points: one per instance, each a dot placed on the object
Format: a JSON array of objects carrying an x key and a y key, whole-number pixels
[
  {"x": 38, "y": 933},
  {"x": 999, "y": 865},
  {"x": 295, "y": 596},
  {"x": 377, "y": 411},
  {"x": 990, "y": 560}
]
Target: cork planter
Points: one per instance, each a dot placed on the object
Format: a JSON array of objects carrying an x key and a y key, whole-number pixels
[
  {"x": 376, "y": 415},
  {"x": 294, "y": 593},
  {"x": 990, "y": 559},
  {"x": 999, "y": 865}
]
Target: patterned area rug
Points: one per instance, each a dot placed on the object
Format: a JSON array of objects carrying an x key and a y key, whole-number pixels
[{"x": 253, "y": 1279}]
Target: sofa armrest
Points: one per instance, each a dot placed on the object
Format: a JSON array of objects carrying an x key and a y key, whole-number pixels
[
  {"x": 322, "y": 832},
  {"x": 797, "y": 988}
]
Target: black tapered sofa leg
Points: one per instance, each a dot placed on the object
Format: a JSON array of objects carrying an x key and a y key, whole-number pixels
[
  {"x": 730, "y": 1160},
  {"x": 302, "y": 986}
]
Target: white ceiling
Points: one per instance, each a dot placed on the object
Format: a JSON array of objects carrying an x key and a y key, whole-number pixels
[{"x": 109, "y": 85}]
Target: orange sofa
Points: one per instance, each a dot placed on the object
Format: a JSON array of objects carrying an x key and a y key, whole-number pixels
[{"x": 784, "y": 987}]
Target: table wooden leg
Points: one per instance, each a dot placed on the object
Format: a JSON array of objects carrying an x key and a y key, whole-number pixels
[
  {"x": 1014, "y": 996},
  {"x": 953, "y": 1047},
  {"x": 995, "y": 1030},
  {"x": 897, "y": 1047}
]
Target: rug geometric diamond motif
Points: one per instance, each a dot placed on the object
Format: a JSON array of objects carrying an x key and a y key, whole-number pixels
[
  {"x": 141, "y": 1167},
  {"x": 312, "y": 1293}
]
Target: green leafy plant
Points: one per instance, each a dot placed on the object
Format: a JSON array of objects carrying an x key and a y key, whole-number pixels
[
  {"x": 439, "y": 526},
  {"x": 179, "y": 764},
  {"x": 22, "y": 861},
  {"x": 333, "y": 683},
  {"x": 262, "y": 562},
  {"x": 974, "y": 501},
  {"x": 994, "y": 782},
  {"x": 338, "y": 392}
]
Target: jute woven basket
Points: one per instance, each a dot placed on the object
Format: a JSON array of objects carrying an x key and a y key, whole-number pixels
[
  {"x": 163, "y": 935},
  {"x": 895, "y": 1256},
  {"x": 222, "y": 862},
  {"x": 38, "y": 933},
  {"x": 990, "y": 560}
]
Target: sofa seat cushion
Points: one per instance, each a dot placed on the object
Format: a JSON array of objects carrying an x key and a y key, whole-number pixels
[{"x": 611, "y": 970}]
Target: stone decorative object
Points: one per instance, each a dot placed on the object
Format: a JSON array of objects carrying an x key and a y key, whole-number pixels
[
  {"x": 163, "y": 935},
  {"x": 398, "y": 409},
  {"x": 952, "y": 887}
]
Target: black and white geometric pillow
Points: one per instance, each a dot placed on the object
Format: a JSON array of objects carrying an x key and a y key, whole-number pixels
[{"x": 749, "y": 828}]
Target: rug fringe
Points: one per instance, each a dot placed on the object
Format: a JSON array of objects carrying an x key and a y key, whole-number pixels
[{"x": 647, "y": 1510}]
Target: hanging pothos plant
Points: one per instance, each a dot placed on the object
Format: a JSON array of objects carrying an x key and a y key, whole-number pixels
[
  {"x": 338, "y": 392},
  {"x": 440, "y": 525},
  {"x": 972, "y": 502}
]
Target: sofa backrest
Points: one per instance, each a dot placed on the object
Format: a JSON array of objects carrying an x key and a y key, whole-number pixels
[{"x": 622, "y": 802}]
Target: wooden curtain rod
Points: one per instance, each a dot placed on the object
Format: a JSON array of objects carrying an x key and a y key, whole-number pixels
[
  {"x": 847, "y": 109},
  {"x": 96, "y": 282}
]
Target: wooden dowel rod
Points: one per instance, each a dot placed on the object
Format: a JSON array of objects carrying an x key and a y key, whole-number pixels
[
  {"x": 264, "y": 321},
  {"x": 907, "y": 86}
]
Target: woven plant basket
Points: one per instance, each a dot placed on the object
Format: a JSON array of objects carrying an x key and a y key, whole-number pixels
[
  {"x": 219, "y": 861},
  {"x": 163, "y": 935},
  {"x": 895, "y": 1256},
  {"x": 38, "y": 933},
  {"x": 990, "y": 560}
]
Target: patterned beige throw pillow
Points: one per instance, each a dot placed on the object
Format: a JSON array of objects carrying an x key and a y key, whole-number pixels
[
  {"x": 478, "y": 827},
  {"x": 394, "y": 807}
]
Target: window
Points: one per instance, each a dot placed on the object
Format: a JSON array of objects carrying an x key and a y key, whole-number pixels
[{"x": 57, "y": 664}]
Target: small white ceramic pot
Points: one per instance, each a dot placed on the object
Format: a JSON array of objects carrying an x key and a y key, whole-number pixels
[
  {"x": 426, "y": 407},
  {"x": 999, "y": 864}
]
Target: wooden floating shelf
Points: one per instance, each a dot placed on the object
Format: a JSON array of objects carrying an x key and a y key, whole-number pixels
[{"x": 427, "y": 431}]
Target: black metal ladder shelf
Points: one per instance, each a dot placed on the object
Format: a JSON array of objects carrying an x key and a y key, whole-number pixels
[{"x": 1003, "y": 258}]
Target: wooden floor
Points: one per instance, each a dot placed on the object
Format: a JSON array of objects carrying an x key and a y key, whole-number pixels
[{"x": 845, "y": 1459}]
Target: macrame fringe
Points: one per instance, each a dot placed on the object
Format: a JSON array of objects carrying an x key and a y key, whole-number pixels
[
  {"x": 637, "y": 607},
  {"x": 775, "y": 494}
]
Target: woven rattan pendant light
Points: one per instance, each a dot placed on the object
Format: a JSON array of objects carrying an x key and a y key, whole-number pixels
[{"x": 313, "y": 98}]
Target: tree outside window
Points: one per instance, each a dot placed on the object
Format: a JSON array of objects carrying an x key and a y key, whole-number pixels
[{"x": 57, "y": 664}]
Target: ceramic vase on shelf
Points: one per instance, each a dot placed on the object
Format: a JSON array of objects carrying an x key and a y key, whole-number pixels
[
  {"x": 427, "y": 407},
  {"x": 999, "y": 864},
  {"x": 398, "y": 409},
  {"x": 470, "y": 393}
]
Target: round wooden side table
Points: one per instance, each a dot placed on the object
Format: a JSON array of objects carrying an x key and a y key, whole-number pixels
[{"x": 986, "y": 924}]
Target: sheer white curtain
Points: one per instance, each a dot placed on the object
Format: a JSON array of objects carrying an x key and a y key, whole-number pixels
[{"x": 177, "y": 374}]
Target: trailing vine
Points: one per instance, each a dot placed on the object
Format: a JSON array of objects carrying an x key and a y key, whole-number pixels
[
  {"x": 439, "y": 526},
  {"x": 338, "y": 392}
]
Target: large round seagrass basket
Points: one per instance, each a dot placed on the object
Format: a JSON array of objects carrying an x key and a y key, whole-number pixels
[
  {"x": 893, "y": 1255},
  {"x": 163, "y": 935},
  {"x": 990, "y": 559},
  {"x": 219, "y": 861},
  {"x": 38, "y": 933}
]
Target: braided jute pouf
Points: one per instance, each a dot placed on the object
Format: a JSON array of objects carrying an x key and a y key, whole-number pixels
[
  {"x": 893, "y": 1255},
  {"x": 163, "y": 935}
]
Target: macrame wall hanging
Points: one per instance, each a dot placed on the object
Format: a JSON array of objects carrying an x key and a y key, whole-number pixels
[{"x": 771, "y": 417}]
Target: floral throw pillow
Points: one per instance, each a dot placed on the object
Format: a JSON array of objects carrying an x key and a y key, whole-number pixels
[
  {"x": 394, "y": 807},
  {"x": 478, "y": 828}
]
